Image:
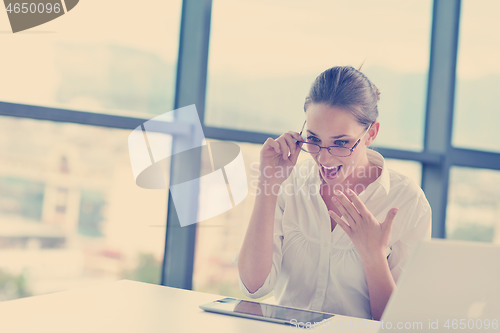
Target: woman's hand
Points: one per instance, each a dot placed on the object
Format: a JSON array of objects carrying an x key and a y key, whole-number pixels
[
  {"x": 278, "y": 157},
  {"x": 370, "y": 237}
]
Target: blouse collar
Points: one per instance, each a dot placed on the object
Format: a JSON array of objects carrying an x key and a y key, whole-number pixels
[{"x": 384, "y": 179}]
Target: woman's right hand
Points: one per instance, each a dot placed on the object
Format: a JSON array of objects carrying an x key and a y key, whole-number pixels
[{"x": 278, "y": 157}]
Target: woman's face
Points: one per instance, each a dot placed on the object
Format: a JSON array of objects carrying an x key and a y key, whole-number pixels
[{"x": 336, "y": 126}]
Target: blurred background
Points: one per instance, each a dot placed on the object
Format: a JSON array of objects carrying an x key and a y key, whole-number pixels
[{"x": 72, "y": 90}]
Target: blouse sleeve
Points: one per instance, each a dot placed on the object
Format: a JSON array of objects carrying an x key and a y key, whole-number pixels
[
  {"x": 419, "y": 222},
  {"x": 270, "y": 281}
]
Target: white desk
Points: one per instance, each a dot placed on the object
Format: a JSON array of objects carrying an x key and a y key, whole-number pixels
[{"x": 128, "y": 306}]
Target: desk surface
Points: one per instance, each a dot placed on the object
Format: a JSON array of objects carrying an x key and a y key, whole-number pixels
[{"x": 129, "y": 306}]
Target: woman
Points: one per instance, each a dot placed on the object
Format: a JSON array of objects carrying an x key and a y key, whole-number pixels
[{"x": 337, "y": 234}]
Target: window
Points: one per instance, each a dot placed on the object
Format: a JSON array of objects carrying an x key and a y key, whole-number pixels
[
  {"x": 89, "y": 61},
  {"x": 60, "y": 191},
  {"x": 259, "y": 74},
  {"x": 70, "y": 211},
  {"x": 218, "y": 240},
  {"x": 478, "y": 76},
  {"x": 473, "y": 210},
  {"x": 411, "y": 169}
]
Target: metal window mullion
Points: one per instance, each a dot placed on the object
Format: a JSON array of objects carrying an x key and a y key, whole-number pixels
[
  {"x": 190, "y": 89},
  {"x": 474, "y": 159},
  {"x": 439, "y": 113},
  {"x": 68, "y": 116}
]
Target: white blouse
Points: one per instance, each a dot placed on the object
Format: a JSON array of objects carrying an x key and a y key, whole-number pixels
[{"x": 319, "y": 269}]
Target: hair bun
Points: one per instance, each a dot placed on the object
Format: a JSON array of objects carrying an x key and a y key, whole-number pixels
[
  {"x": 377, "y": 92},
  {"x": 346, "y": 86}
]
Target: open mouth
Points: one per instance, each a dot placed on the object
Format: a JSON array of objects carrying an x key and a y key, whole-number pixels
[{"x": 331, "y": 172}]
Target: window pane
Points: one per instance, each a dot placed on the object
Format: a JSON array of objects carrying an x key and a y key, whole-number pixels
[
  {"x": 411, "y": 169},
  {"x": 70, "y": 211},
  {"x": 259, "y": 74},
  {"x": 473, "y": 211},
  {"x": 102, "y": 56},
  {"x": 218, "y": 240},
  {"x": 476, "y": 116}
]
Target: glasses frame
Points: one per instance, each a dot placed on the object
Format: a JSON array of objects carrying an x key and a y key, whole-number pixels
[{"x": 330, "y": 147}]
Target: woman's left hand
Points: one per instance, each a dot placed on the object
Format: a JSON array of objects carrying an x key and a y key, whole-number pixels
[{"x": 370, "y": 237}]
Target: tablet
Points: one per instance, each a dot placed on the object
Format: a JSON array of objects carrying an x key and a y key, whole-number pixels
[{"x": 267, "y": 312}]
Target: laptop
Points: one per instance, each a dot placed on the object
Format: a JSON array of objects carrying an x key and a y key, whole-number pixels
[{"x": 447, "y": 286}]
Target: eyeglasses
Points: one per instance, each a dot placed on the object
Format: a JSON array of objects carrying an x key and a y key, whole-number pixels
[{"x": 339, "y": 151}]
